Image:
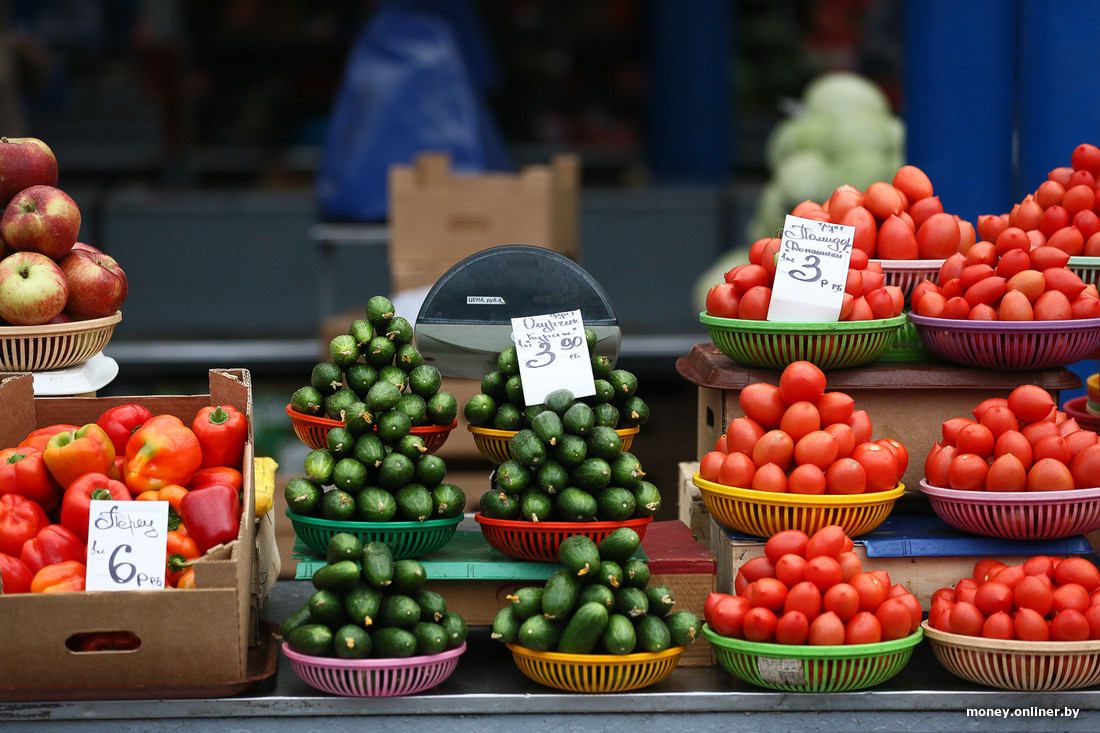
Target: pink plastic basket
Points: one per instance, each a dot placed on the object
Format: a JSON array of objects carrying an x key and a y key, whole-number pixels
[
  {"x": 907, "y": 273},
  {"x": 1009, "y": 345},
  {"x": 374, "y": 677},
  {"x": 1032, "y": 515}
]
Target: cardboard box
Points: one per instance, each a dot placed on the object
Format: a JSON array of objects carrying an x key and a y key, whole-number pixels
[
  {"x": 921, "y": 552},
  {"x": 907, "y": 401},
  {"x": 438, "y": 218},
  {"x": 692, "y": 511},
  {"x": 189, "y": 638}
]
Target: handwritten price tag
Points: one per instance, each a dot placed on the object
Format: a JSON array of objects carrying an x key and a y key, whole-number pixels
[
  {"x": 127, "y": 543},
  {"x": 811, "y": 270},
  {"x": 553, "y": 354}
]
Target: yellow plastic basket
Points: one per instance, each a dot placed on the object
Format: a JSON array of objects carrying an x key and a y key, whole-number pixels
[
  {"x": 764, "y": 513},
  {"x": 54, "y": 346},
  {"x": 494, "y": 444},
  {"x": 1031, "y": 666},
  {"x": 596, "y": 672}
]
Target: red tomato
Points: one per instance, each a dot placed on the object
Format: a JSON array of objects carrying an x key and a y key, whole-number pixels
[
  {"x": 1053, "y": 305},
  {"x": 938, "y": 237},
  {"x": 866, "y": 228},
  {"x": 845, "y": 476},
  {"x": 769, "y": 477},
  {"x": 999, "y": 419},
  {"x": 841, "y": 599},
  {"x": 787, "y": 541},
  {"x": 759, "y": 624},
  {"x": 1012, "y": 262},
  {"x": 1010, "y": 575},
  {"x": 938, "y": 462},
  {"x": 991, "y": 597},
  {"x": 807, "y": 479},
  {"x": 736, "y": 469},
  {"x": 999, "y": 626},
  {"x": 901, "y": 453},
  {"x": 913, "y": 182},
  {"x": 966, "y": 619},
  {"x": 742, "y": 434},
  {"x": 1069, "y": 596},
  {"x": 1052, "y": 446},
  {"x": 845, "y": 438},
  {"x": 1032, "y": 592},
  {"x": 775, "y": 446},
  {"x": 897, "y": 241},
  {"x": 850, "y": 564},
  {"x": 951, "y": 427},
  {"x": 1077, "y": 570},
  {"x": 967, "y": 472},
  {"x": 975, "y": 438},
  {"x": 1092, "y": 615},
  {"x": 722, "y": 301},
  {"x": 1030, "y": 402},
  {"x": 1039, "y": 565},
  {"x": 756, "y": 250},
  {"x": 826, "y": 630},
  {"x": 755, "y": 303},
  {"x": 791, "y": 569},
  {"x": 767, "y": 592},
  {"x": 923, "y": 208},
  {"x": 805, "y": 597},
  {"x": 984, "y": 569},
  {"x": 793, "y": 627},
  {"x": 844, "y": 198},
  {"x": 1030, "y": 625},
  {"x": 801, "y": 381},
  {"x": 1006, "y": 473},
  {"x": 762, "y": 403},
  {"x": 1086, "y": 157},
  {"x": 710, "y": 602},
  {"x": 882, "y": 199},
  {"x": 982, "y": 253},
  {"x": 1049, "y": 474},
  {"x": 863, "y": 628},
  {"x": 1016, "y": 443},
  {"x": 880, "y": 468},
  {"x": 860, "y": 423},
  {"x": 799, "y": 419},
  {"x": 894, "y": 619},
  {"x": 835, "y": 407},
  {"x": 1069, "y": 625},
  {"x": 965, "y": 590},
  {"x": 728, "y": 616},
  {"x": 829, "y": 540},
  {"x": 916, "y": 613},
  {"x": 1085, "y": 467},
  {"x": 710, "y": 463},
  {"x": 871, "y": 590},
  {"x": 758, "y": 567},
  {"x": 750, "y": 276},
  {"x": 818, "y": 447},
  {"x": 823, "y": 571}
]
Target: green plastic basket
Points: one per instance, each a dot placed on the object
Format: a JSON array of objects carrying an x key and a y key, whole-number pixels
[
  {"x": 907, "y": 345},
  {"x": 405, "y": 539},
  {"x": 828, "y": 344},
  {"x": 806, "y": 668}
]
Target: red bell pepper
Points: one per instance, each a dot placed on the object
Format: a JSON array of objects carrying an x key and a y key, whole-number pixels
[
  {"x": 60, "y": 577},
  {"x": 20, "y": 520},
  {"x": 222, "y": 431},
  {"x": 162, "y": 451},
  {"x": 76, "y": 503},
  {"x": 182, "y": 549},
  {"x": 72, "y": 453},
  {"x": 173, "y": 494},
  {"x": 120, "y": 422},
  {"x": 212, "y": 515},
  {"x": 38, "y": 438},
  {"x": 23, "y": 471},
  {"x": 53, "y": 544},
  {"x": 15, "y": 576},
  {"x": 216, "y": 475}
]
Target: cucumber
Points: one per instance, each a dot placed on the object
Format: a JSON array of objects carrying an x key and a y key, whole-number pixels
[
  {"x": 661, "y": 599},
  {"x": 370, "y": 450},
  {"x": 508, "y": 361},
  {"x": 431, "y": 638},
  {"x": 626, "y": 470},
  {"x": 433, "y": 606},
  {"x": 620, "y": 544},
  {"x": 633, "y": 412},
  {"x": 412, "y": 447},
  {"x": 506, "y": 625},
  {"x": 338, "y": 505},
  {"x": 398, "y": 611},
  {"x": 299, "y": 618},
  {"x": 513, "y": 477},
  {"x": 392, "y": 642},
  {"x": 535, "y": 505},
  {"x": 375, "y": 505},
  {"x": 349, "y": 475},
  {"x": 442, "y": 408},
  {"x": 624, "y": 382},
  {"x": 361, "y": 330},
  {"x": 619, "y": 636},
  {"x": 425, "y": 380},
  {"x": 601, "y": 366},
  {"x": 393, "y": 425},
  {"x": 399, "y": 330},
  {"x": 526, "y": 601},
  {"x": 615, "y": 504},
  {"x": 492, "y": 384},
  {"x": 339, "y": 577},
  {"x": 479, "y": 410},
  {"x": 455, "y": 627},
  {"x": 595, "y": 592},
  {"x": 351, "y": 642},
  {"x": 362, "y": 602},
  {"x": 313, "y": 639},
  {"x": 408, "y": 577},
  {"x": 513, "y": 388},
  {"x": 382, "y": 396},
  {"x": 575, "y": 505},
  {"x": 326, "y": 377},
  {"x": 547, "y": 425},
  {"x": 358, "y": 421},
  {"x": 559, "y": 400},
  {"x": 379, "y": 311},
  {"x": 539, "y": 634},
  {"x": 430, "y": 470},
  {"x": 327, "y": 607},
  {"x": 570, "y": 451},
  {"x": 499, "y": 505},
  {"x": 652, "y": 632},
  {"x": 343, "y": 350},
  {"x": 337, "y": 403},
  {"x": 379, "y": 352},
  {"x": 303, "y": 497},
  {"x": 609, "y": 574},
  {"x": 603, "y": 442},
  {"x": 395, "y": 471},
  {"x": 339, "y": 441},
  {"x": 318, "y": 465},
  {"x": 559, "y": 594},
  {"x": 526, "y": 448},
  {"x": 607, "y": 415},
  {"x": 584, "y": 629},
  {"x": 414, "y": 503},
  {"x": 448, "y": 500},
  {"x": 377, "y": 564},
  {"x": 580, "y": 555},
  {"x": 578, "y": 419},
  {"x": 683, "y": 627},
  {"x": 592, "y": 474},
  {"x": 508, "y": 417},
  {"x": 408, "y": 357},
  {"x": 635, "y": 573},
  {"x": 308, "y": 400},
  {"x": 360, "y": 377},
  {"x": 552, "y": 477},
  {"x": 631, "y": 602},
  {"x": 647, "y": 499}
]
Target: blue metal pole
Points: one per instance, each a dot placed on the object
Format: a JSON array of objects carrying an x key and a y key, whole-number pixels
[{"x": 959, "y": 83}]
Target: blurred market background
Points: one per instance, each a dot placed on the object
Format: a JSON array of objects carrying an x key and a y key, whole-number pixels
[{"x": 195, "y": 136}]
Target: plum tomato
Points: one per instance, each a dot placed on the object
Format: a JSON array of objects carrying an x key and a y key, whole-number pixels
[
  {"x": 998, "y": 626},
  {"x": 850, "y": 564},
  {"x": 966, "y": 619},
  {"x": 826, "y": 630},
  {"x": 722, "y": 301},
  {"x": 785, "y": 542},
  {"x": 1006, "y": 473},
  {"x": 823, "y": 571},
  {"x": 737, "y": 469},
  {"x": 1069, "y": 625},
  {"x": 791, "y": 569},
  {"x": 769, "y": 477},
  {"x": 1030, "y": 402},
  {"x": 871, "y": 590},
  {"x": 1077, "y": 570},
  {"x": 762, "y": 403},
  {"x": 828, "y": 540},
  {"x": 841, "y": 599},
  {"x": 808, "y": 479},
  {"x": 845, "y": 476},
  {"x": 894, "y": 619},
  {"x": 710, "y": 463},
  {"x": 818, "y": 447},
  {"x": 880, "y": 467},
  {"x": 967, "y": 472},
  {"x": 742, "y": 434},
  {"x": 728, "y": 616},
  {"x": 758, "y": 567},
  {"x": 805, "y": 597},
  {"x": 801, "y": 381},
  {"x": 768, "y": 592},
  {"x": 1030, "y": 625},
  {"x": 991, "y": 597},
  {"x": 984, "y": 569},
  {"x": 759, "y": 624},
  {"x": 793, "y": 628},
  {"x": 1034, "y": 593},
  {"x": 775, "y": 446},
  {"x": 863, "y": 628},
  {"x": 799, "y": 419}
]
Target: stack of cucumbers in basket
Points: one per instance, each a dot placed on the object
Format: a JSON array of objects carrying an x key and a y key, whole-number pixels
[
  {"x": 373, "y": 468},
  {"x": 368, "y": 605},
  {"x": 567, "y": 459},
  {"x": 600, "y": 602}
]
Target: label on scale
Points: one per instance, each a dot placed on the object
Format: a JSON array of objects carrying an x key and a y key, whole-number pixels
[
  {"x": 553, "y": 354},
  {"x": 811, "y": 270}
]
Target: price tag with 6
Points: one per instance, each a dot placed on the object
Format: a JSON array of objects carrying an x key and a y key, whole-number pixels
[
  {"x": 127, "y": 542},
  {"x": 811, "y": 271},
  {"x": 553, "y": 354}
]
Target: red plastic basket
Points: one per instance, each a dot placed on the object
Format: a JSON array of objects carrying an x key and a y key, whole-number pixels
[
  {"x": 313, "y": 431},
  {"x": 539, "y": 541},
  {"x": 1009, "y": 345},
  {"x": 1031, "y": 515},
  {"x": 907, "y": 273}
]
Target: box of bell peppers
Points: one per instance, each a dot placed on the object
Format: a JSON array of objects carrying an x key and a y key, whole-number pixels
[{"x": 187, "y": 639}]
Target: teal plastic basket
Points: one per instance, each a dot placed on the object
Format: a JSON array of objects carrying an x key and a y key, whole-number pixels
[
  {"x": 827, "y": 344},
  {"x": 405, "y": 539}
]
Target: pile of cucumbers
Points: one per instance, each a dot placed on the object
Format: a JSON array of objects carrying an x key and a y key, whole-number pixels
[
  {"x": 500, "y": 404},
  {"x": 373, "y": 468},
  {"x": 368, "y": 605},
  {"x": 599, "y": 602},
  {"x": 567, "y": 467}
]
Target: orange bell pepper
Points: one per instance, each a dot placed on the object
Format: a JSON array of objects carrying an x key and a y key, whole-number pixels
[
  {"x": 182, "y": 549},
  {"x": 222, "y": 431},
  {"x": 173, "y": 494},
  {"x": 162, "y": 451},
  {"x": 72, "y": 453},
  {"x": 38, "y": 438},
  {"x": 59, "y": 578},
  {"x": 186, "y": 579},
  {"x": 23, "y": 471}
]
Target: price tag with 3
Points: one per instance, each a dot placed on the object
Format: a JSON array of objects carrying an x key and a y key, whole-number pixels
[
  {"x": 811, "y": 270},
  {"x": 127, "y": 542},
  {"x": 553, "y": 354}
]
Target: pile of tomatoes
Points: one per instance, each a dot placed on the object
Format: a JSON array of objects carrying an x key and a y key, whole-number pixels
[
  {"x": 812, "y": 589},
  {"x": 1022, "y": 442},
  {"x": 795, "y": 437},
  {"x": 1042, "y": 599}
]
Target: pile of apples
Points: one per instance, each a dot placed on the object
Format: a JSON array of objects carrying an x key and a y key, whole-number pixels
[
  {"x": 812, "y": 589},
  {"x": 1042, "y": 599},
  {"x": 1017, "y": 269},
  {"x": 1022, "y": 442},
  {"x": 46, "y": 275},
  {"x": 797, "y": 438}
]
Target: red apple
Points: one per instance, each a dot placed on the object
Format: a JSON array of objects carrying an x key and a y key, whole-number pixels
[
  {"x": 33, "y": 289},
  {"x": 24, "y": 162},
  {"x": 97, "y": 285},
  {"x": 41, "y": 219}
]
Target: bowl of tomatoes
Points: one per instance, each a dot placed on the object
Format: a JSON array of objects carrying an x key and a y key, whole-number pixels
[{"x": 1032, "y": 626}]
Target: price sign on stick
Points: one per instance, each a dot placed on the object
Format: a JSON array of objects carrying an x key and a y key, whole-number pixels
[
  {"x": 127, "y": 543},
  {"x": 553, "y": 354},
  {"x": 811, "y": 270}
]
